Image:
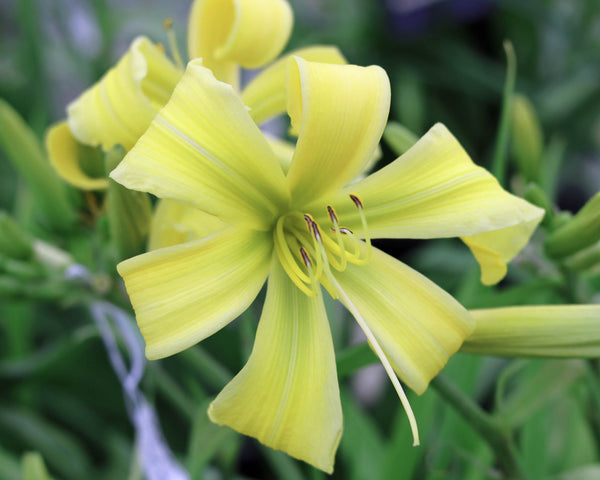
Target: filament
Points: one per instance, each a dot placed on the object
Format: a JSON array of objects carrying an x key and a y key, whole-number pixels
[{"x": 168, "y": 26}]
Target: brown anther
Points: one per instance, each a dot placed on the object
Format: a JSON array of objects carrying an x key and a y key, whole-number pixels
[
  {"x": 168, "y": 23},
  {"x": 356, "y": 201},
  {"x": 317, "y": 232},
  {"x": 305, "y": 257},
  {"x": 309, "y": 221},
  {"x": 332, "y": 215}
]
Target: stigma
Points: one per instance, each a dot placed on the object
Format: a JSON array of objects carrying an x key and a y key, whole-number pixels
[{"x": 310, "y": 254}]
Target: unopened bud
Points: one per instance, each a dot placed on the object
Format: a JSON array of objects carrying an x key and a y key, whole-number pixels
[
  {"x": 536, "y": 331},
  {"x": 25, "y": 152},
  {"x": 582, "y": 231},
  {"x": 129, "y": 212},
  {"x": 526, "y": 138}
]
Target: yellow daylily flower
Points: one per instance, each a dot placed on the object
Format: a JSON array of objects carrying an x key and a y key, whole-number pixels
[
  {"x": 121, "y": 105},
  {"x": 571, "y": 331},
  {"x": 299, "y": 230}
]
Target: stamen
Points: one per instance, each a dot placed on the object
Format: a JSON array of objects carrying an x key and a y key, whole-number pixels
[
  {"x": 168, "y": 26},
  {"x": 305, "y": 258},
  {"x": 342, "y": 230},
  {"x": 386, "y": 363},
  {"x": 338, "y": 236},
  {"x": 288, "y": 262},
  {"x": 359, "y": 205},
  {"x": 313, "y": 282}
]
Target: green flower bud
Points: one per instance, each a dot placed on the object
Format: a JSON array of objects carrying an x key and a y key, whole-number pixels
[
  {"x": 585, "y": 259},
  {"x": 14, "y": 242},
  {"x": 399, "y": 138},
  {"x": 527, "y": 141},
  {"x": 536, "y": 331},
  {"x": 535, "y": 195},
  {"x": 24, "y": 151},
  {"x": 582, "y": 231},
  {"x": 129, "y": 212}
]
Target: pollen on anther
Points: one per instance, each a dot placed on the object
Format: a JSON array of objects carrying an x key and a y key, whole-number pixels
[
  {"x": 168, "y": 23},
  {"x": 305, "y": 257},
  {"x": 332, "y": 215},
  {"x": 357, "y": 201}
]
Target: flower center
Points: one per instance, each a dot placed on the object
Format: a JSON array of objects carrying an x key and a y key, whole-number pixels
[{"x": 307, "y": 252}]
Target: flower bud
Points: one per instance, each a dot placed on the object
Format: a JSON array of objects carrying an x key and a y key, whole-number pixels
[
  {"x": 526, "y": 135},
  {"x": 24, "y": 151},
  {"x": 582, "y": 231},
  {"x": 129, "y": 212},
  {"x": 536, "y": 331}
]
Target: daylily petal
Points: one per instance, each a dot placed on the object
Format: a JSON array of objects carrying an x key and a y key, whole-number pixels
[
  {"x": 203, "y": 149},
  {"x": 287, "y": 395},
  {"x": 493, "y": 250},
  {"x": 118, "y": 108},
  {"x": 283, "y": 150},
  {"x": 418, "y": 325},
  {"x": 174, "y": 223},
  {"x": 536, "y": 331},
  {"x": 227, "y": 33},
  {"x": 434, "y": 190},
  {"x": 340, "y": 112},
  {"x": 265, "y": 94},
  {"x": 185, "y": 293},
  {"x": 63, "y": 153}
]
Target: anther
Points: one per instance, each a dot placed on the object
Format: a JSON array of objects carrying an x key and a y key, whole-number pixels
[
  {"x": 359, "y": 205},
  {"x": 168, "y": 26},
  {"x": 332, "y": 215},
  {"x": 357, "y": 201},
  {"x": 305, "y": 258},
  {"x": 342, "y": 230}
]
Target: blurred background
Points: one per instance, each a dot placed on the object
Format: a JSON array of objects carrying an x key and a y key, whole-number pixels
[{"x": 445, "y": 59}]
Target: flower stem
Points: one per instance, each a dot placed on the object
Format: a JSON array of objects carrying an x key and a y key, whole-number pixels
[{"x": 485, "y": 425}]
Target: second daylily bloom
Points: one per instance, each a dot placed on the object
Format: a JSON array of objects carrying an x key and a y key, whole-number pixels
[
  {"x": 301, "y": 230},
  {"x": 229, "y": 34}
]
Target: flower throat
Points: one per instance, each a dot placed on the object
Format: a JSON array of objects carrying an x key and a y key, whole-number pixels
[{"x": 307, "y": 253}]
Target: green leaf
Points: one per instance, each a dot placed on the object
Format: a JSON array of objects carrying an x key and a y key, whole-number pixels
[
  {"x": 537, "y": 384},
  {"x": 206, "y": 440},
  {"x": 361, "y": 447}
]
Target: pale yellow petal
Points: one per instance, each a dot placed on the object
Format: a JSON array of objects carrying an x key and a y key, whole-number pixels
[
  {"x": 283, "y": 150},
  {"x": 287, "y": 395},
  {"x": 434, "y": 190},
  {"x": 493, "y": 250},
  {"x": 340, "y": 112},
  {"x": 63, "y": 153},
  {"x": 536, "y": 331},
  {"x": 418, "y": 325},
  {"x": 119, "y": 107},
  {"x": 174, "y": 223},
  {"x": 228, "y": 33},
  {"x": 203, "y": 149},
  {"x": 266, "y": 95},
  {"x": 183, "y": 294}
]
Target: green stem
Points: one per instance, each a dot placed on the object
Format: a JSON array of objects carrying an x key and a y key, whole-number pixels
[
  {"x": 499, "y": 160},
  {"x": 484, "y": 424}
]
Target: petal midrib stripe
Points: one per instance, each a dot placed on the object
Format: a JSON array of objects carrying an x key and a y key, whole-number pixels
[{"x": 215, "y": 161}]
